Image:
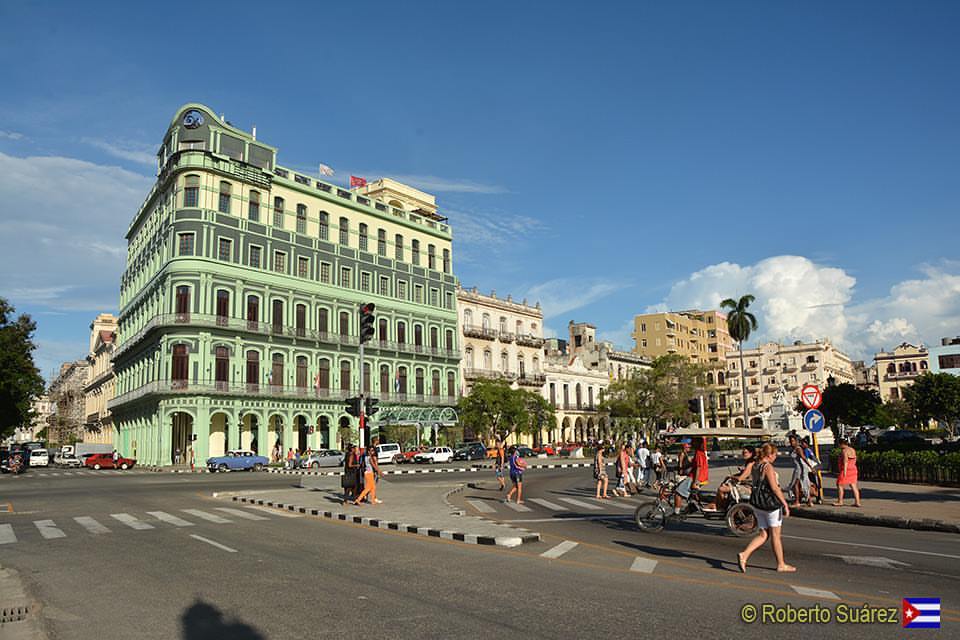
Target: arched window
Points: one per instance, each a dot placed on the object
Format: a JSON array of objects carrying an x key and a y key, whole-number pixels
[
  {"x": 253, "y": 371},
  {"x": 385, "y": 379},
  {"x": 276, "y": 372},
  {"x": 521, "y": 366},
  {"x": 468, "y": 357},
  {"x": 579, "y": 397},
  {"x": 223, "y": 307},
  {"x": 415, "y": 252},
  {"x": 323, "y": 320},
  {"x": 503, "y": 324},
  {"x": 362, "y": 234},
  {"x": 183, "y": 303},
  {"x": 468, "y": 317},
  {"x": 720, "y": 377},
  {"x": 434, "y": 339},
  {"x": 323, "y": 376},
  {"x": 402, "y": 380},
  {"x": 253, "y": 208},
  {"x": 278, "y": 212},
  {"x": 381, "y": 243},
  {"x": 301, "y": 218},
  {"x": 446, "y": 260},
  {"x": 191, "y": 191},
  {"x": 382, "y": 330},
  {"x": 223, "y": 204},
  {"x": 419, "y": 381},
  {"x": 398, "y": 247},
  {"x": 590, "y": 397},
  {"x": 486, "y": 321},
  {"x": 344, "y": 232},
  {"x": 488, "y": 360},
  {"x": 181, "y": 366},
  {"x": 301, "y": 372},
  {"x": 431, "y": 256},
  {"x": 435, "y": 384},
  {"x": 345, "y": 375},
  {"x": 505, "y": 362},
  {"x": 301, "y": 320},
  {"x": 324, "y": 225},
  {"x": 519, "y": 327},
  {"x": 451, "y": 384},
  {"x": 401, "y": 332},
  {"x": 418, "y": 337},
  {"x": 253, "y": 312},
  {"x": 449, "y": 340},
  {"x": 709, "y": 378},
  {"x": 221, "y": 369},
  {"x": 344, "y": 323},
  {"x": 277, "y": 318}
]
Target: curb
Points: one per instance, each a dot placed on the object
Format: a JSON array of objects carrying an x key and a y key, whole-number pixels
[
  {"x": 894, "y": 522},
  {"x": 377, "y": 523},
  {"x": 165, "y": 470}
]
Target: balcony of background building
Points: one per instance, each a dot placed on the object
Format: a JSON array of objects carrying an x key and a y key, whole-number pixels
[
  {"x": 528, "y": 340},
  {"x": 477, "y": 331},
  {"x": 268, "y": 328},
  {"x": 492, "y": 374},
  {"x": 789, "y": 367},
  {"x": 531, "y": 379},
  {"x": 771, "y": 367},
  {"x": 506, "y": 336},
  {"x": 810, "y": 365}
]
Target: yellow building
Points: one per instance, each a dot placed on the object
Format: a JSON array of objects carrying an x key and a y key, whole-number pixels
[
  {"x": 98, "y": 391},
  {"x": 702, "y": 336},
  {"x": 897, "y": 369}
]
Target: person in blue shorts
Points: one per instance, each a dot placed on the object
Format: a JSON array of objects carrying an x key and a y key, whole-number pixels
[{"x": 517, "y": 465}]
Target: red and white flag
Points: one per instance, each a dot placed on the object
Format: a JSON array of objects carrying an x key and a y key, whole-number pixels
[{"x": 357, "y": 182}]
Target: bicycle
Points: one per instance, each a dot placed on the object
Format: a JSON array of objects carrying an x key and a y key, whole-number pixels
[{"x": 653, "y": 516}]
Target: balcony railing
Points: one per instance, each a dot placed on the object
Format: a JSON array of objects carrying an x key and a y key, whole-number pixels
[
  {"x": 269, "y": 328},
  {"x": 493, "y": 374},
  {"x": 531, "y": 379},
  {"x": 572, "y": 406},
  {"x": 476, "y": 331},
  {"x": 789, "y": 367},
  {"x": 185, "y": 387},
  {"x": 528, "y": 340},
  {"x": 809, "y": 366},
  {"x": 506, "y": 336}
]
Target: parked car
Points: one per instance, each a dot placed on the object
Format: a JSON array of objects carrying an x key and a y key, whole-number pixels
[
  {"x": 407, "y": 456},
  {"x": 237, "y": 460},
  {"x": 436, "y": 454},
  {"x": 323, "y": 458},
  {"x": 526, "y": 452},
  {"x": 67, "y": 460},
  {"x": 105, "y": 461},
  {"x": 39, "y": 458},
  {"x": 388, "y": 452},
  {"x": 471, "y": 451},
  {"x": 900, "y": 436},
  {"x": 547, "y": 449}
]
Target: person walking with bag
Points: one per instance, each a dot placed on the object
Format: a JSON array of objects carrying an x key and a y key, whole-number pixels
[
  {"x": 770, "y": 507},
  {"x": 600, "y": 474},
  {"x": 371, "y": 472}
]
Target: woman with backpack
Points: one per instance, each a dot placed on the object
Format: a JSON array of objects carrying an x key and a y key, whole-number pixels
[{"x": 770, "y": 507}]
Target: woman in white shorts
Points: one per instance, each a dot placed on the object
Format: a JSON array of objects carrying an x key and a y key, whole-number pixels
[{"x": 768, "y": 504}]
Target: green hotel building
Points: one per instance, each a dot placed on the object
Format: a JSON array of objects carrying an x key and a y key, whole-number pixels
[{"x": 239, "y": 305}]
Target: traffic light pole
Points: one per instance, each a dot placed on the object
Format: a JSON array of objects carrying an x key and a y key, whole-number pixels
[
  {"x": 703, "y": 418},
  {"x": 362, "y": 405}
]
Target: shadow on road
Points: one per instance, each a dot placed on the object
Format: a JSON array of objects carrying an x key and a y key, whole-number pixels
[
  {"x": 203, "y": 621},
  {"x": 716, "y": 563}
]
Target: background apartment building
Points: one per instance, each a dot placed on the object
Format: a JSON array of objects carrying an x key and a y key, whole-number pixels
[
  {"x": 945, "y": 358},
  {"x": 702, "y": 336},
  {"x": 602, "y": 356},
  {"x": 66, "y": 395},
  {"x": 98, "y": 427},
  {"x": 897, "y": 369}
]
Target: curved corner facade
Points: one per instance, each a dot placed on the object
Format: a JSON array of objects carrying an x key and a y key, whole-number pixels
[{"x": 239, "y": 323}]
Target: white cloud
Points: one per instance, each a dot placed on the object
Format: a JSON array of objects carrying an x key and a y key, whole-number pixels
[
  {"x": 132, "y": 151},
  {"x": 477, "y": 232},
  {"x": 798, "y": 299},
  {"x": 561, "y": 295},
  {"x": 436, "y": 184},
  {"x": 11, "y": 135}
]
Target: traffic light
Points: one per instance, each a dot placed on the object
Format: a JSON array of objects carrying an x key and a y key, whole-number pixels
[
  {"x": 372, "y": 407},
  {"x": 353, "y": 406},
  {"x": 694, "y": 405},
  {"x": 367, "y": 330}
]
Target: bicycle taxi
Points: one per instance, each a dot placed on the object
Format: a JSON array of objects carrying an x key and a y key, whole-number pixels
[{"x": 736, "y": 510}]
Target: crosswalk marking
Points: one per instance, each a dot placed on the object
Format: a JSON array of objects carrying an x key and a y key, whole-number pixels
[
  {"x": 559, "y": 550},
  {"x": 91, "y": 525},
  {"x": 241, "y": 513},
  {"x": 209, "y": 517},
  {"x": 518, "y": 507},
  {"x": 481, "y": 506},
  {"x": 169, "y": 519},
  {"x": 6, "y": 534},
  {"x": 581, "y": 504},
  {"x": 131, "y": 521},
  {"x": 618, "y": 504},
  {"x": 276, "y": 512},
  {"x": 553, "y": 506},
  {"x": 48, "y": 529},
  {"x": 815, "y": 593},
  {"x": 643, "y": 565}
]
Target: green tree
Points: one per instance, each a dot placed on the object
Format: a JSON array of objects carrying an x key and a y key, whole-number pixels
[
  {"x": 895, "y": 413},
  {"x": 846, "y": 404},
  {"x": 539, "y": 412},
  {"x": 493, "y": 408},
  {"x": 20, "y": 380},
  {"x": 654, "y": 396},
  {"x": 935, "y": 396},
  {"x": 740, "y": 324}
]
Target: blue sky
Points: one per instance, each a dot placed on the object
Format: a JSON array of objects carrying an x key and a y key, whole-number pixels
[{"x": 604, "y": 158}]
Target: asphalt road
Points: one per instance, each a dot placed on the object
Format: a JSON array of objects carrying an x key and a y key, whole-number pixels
[{"x": 151, "y": 555}]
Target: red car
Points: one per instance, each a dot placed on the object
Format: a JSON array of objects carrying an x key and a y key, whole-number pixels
[
  {"x": 105, "y": 461},
  {"x": 548, "y": 449}
]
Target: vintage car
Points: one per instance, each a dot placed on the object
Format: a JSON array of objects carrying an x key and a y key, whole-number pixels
[
  {"x": 237, "y": 460},
  {"x": 99, "y": 461}
]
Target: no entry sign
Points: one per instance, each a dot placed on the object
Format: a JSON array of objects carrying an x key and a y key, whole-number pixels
[{"x": 810, "y": 396}]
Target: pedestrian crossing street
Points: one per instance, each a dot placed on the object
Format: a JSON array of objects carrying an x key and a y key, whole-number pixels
[
  {"x": 49, "y": 529},
  {"x": 586, "y": 505}
]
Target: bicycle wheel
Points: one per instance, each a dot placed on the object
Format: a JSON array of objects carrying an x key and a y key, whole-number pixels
[
  {"x": 741, "y": 519},
  {"x": 650, "y": 517}
]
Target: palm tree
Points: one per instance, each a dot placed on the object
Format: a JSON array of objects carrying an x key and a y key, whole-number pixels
[{"x": 740, "y": 324}]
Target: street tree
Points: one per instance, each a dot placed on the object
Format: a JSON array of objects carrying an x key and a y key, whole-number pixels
[
  {"x": 740, "y": 324},
  {"x": 20, "y": 380},
  {"x": 936, "y": 396},
  {"x": 539, "y": 414},
  {"x": 493, "y": 408},
  {"x": 655, "y": 396},
  {"x": 846, "y": 404}
]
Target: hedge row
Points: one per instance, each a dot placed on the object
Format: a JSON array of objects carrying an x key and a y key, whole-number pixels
[{"x": 927, "y": 467}]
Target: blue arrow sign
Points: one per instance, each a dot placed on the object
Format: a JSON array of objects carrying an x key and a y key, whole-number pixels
[{"x": 813, "y": 421}]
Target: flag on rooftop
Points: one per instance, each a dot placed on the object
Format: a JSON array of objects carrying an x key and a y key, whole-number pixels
[
  {"x": 325, "y": 170},
  {"x": 357, "y": 182}
]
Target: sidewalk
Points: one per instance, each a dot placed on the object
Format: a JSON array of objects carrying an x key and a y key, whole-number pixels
[
  {"x": 420, "y": 509},
  {"x": 19, "y": 615}
]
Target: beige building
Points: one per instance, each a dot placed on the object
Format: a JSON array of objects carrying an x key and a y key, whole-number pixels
[
  {"x": 42, "y": 409},
  {"x": 772, "y": 365},
  {"x": 700, "y": 335},
  {"x": 865, "y": 376},
  {"x": 66, "y": 394},
  {"x": 897, "y": 369},
  {"x": 575, "y": 391},
  {"x": 499, "y": 338},
  {"x": 602, "y": 356},
  {"x": 98, "y": 391}
]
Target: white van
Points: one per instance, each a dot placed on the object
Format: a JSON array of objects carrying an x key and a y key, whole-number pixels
[
  {"x": 388, "y": 452},
  {"x": 39, "y": 458}
]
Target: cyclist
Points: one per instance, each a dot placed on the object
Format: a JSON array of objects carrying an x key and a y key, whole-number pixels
[
  {"x": 684, "y": 479},
  {"x": 745, "y": 474}
]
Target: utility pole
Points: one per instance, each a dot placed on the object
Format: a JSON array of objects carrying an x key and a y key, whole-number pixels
[
  {"x": 703, "y": 420},
  {"x": 366, "y": 333}
]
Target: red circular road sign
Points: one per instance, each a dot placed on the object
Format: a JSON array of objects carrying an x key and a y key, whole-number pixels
[{"x": 810, "y": 396}]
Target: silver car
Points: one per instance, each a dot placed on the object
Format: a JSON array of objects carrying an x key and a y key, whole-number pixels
[{"x": 322, "y": 458}]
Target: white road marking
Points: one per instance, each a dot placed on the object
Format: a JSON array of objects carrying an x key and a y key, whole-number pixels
[
  {"x": 559, "y": 550},
  {"x": 875, "y": 546},
  {"x": 275, "y": 512},
  {"x": 169, "y": 519},
  {"x": 48, "y": 529},
  {"x": 871, "y": 561},
  {"x": 209, "y": 517},
  {"x": 131, "y": 521},
  {"x": 7, "y": 535},
  {"x": 213, "y": 542},
  {"x": 481, "y": 506},
  {"x": 241, "y": 513},
  {"x": 553, "y": 506},
  {"x": 643, "y": 565},
  {"x": 581, "y": 504},
  {"x": 616, "y": 504},
  {"x": 517, "y": 507},
  {"x": 571, "y": 519},
  {"x": 91, "y": 525},
  {"x": 815, "y": 593}
]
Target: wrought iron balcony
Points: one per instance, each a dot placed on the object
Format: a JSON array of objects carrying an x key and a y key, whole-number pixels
[
  {"x": 528, "y": 340},
  {"x": 531, "y": 379},
  {"x": 476, "y": 331},
  {"x": 506, "y": 336}
]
